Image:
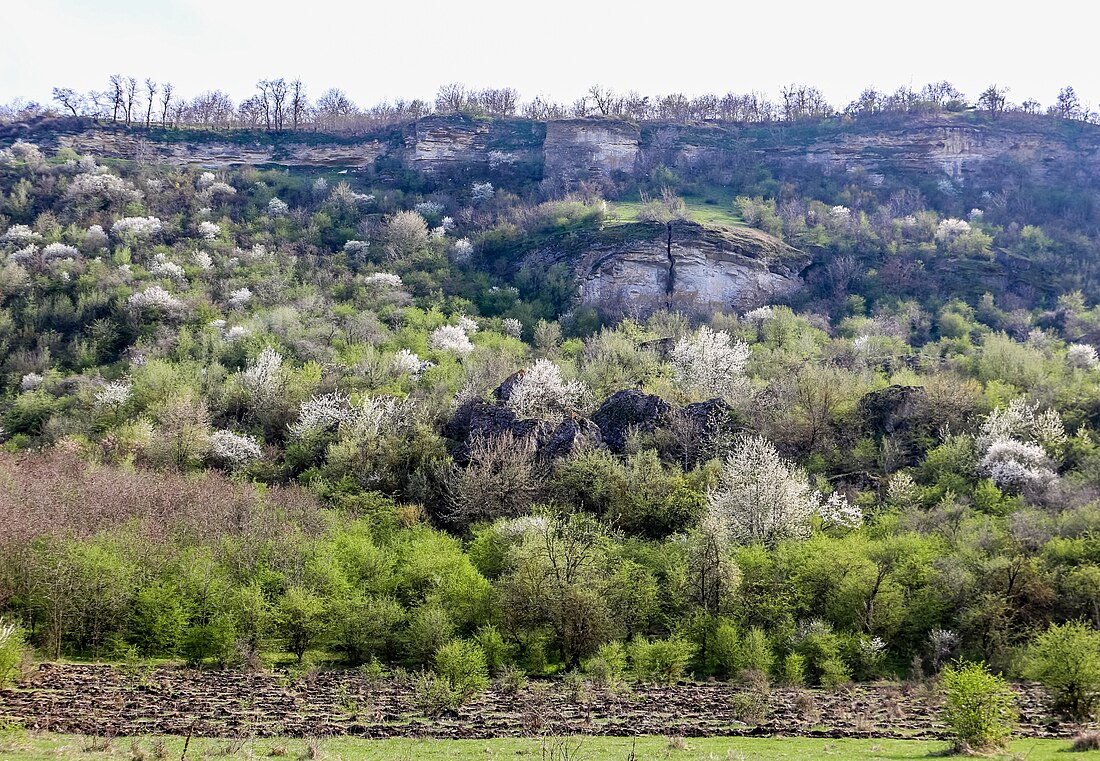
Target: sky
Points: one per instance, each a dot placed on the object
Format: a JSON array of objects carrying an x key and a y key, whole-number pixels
[{"x": 377, "y": 51}]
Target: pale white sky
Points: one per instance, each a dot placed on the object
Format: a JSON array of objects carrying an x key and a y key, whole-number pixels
[{"x": 383, "y": 50}]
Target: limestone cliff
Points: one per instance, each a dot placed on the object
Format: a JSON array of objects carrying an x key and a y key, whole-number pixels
[{"x": 639, "y": 268}]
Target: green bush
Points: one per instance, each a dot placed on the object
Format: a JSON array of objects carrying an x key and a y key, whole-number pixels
[
  {"x": 726, "y": 648},
  {"x": 756, "y": 651},
  {"x": 978, "y": 707},
  {"x": 432, "y": 695},
  {"x": 11, "y": 651},
  {"x": 461, "y": 664},
  {"x": 794, "y": 670},
  {"x": 1066, "y": 659},
  {"x": 492, "y": 644},
  {"x": 662, "y": 660},
  {"x": 608, "y": 665}
]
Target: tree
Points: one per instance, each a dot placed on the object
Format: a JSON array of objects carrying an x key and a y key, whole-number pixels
[
  {"x": 150, "y": 92},
  {"x": 165, "y": 102},
  {"x": 711, "y": 362},
  {"x": 116, "y": 95},
  {"x": 68, "y": 98},
  {"x": 1067, "y": 106},
  {"x": 299, "y": 619},
  {"x": 501, "y": 479},
  {"x": 993, "y": 99},
  {"x": 298, "y": 102},
  {"x": 1066, "y": 659},
  {"x": 131, "y": 89},
  {"x": 452, "y": 99},
  {"x": 605, "y": 100},
  {"x": 760, "y": 496},
  {"x": 978, "y": 707}
]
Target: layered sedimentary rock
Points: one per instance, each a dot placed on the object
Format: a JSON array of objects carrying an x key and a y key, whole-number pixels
[{"x": 637, "y": 269}]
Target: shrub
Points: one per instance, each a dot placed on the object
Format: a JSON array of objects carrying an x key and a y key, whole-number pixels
[
  {"x": 756, "y": 651},
  {"x": 462, "y": 664},
  {"x": 978, "y": 707},
  {"x": 432, "y": 695},
  {"x": 726, "y": 648},
  {"x": 493, "y": 645},
  {"x": 608, "y": 665},
  {"x": 794, "y": 670},
  {"x": 511, "y": 680},
  {"x": 662, "y": 660},
  {"x": 1066, "y": 659},
  {"x": 11, "y": 651}
]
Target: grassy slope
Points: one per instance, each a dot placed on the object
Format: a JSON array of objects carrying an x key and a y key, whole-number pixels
[
  {"x": 51, "y": 746},
  {"x": 714, "y": 208}
]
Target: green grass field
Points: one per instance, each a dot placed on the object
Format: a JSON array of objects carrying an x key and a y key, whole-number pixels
[
  {"x": 26, "y": 746},
  {"x": 714, "y": 207}
]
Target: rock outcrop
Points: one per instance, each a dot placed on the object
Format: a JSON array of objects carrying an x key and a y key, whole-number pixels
[{"x": 640, "y": 268}]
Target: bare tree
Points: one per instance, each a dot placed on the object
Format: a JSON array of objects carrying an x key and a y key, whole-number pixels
[
  {"x": 1067, "y": 106},
  {"x": 332, "y": 106},
  {"x": 69, "y": 98},
  {"x": 131, "y": 98},
  {"x": 499, "y": 102},
  {"x": 116, "y": 95},
  {"x": 151, "y": 92},
  {"x": 298, "y": 102},
  {"x": 452, "y": 99},
  {"x": 604, "y": 99},
  {"x": 165, "y": 102},
  {"x": 501, "y": 479},
  {"x": 993, "y": 99}
]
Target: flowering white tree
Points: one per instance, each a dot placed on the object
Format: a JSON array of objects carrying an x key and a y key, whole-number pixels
[
  {"x": 710, "y": 361},
  {"x": 162, "y": 268},
  {"x": 95, "y": 238},
  {"x": 429, "y": 208},
  {"x": 481, "y": 191},
  {"x": 450, "y": 338},
  {"x": 154, "y": 299},
  {"x": 137, "y": 227},
  {"x": 462, "y": 250},
  {"x": 203, "y": 260},
  {"x": 512, "y": 327},
  {"x": 113, "y": 396},
  {"x": 30, "y": 382},
  {"x": 1082, "y": 356},
  {"x": 1017, "y": 443},
  {"x": 263, "y": 379},
  {"x": 20, "y": 235},
  {"x": 235, "y": 450},
  {"x": 320, "y": 412},
  {"x": 239, "y": 298},
  {"x": 209, "y": 230},
  {"x": 541, "y": 392},
  {"x": 405, "y": 362},
  {"x": 277, "y": 208},
  {"x": 763, "y": 498},
  {"x": 385, "y": 280}
]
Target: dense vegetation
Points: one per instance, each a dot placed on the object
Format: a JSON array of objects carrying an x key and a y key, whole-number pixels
[{"x": 237, "y": 411}]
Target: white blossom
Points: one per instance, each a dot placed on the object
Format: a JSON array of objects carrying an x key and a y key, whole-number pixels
[
  {"x": 542, "y": 392},
  {"x": 385, "y": 280},
  {"x": 374, "y": 417},
  {"x": 277, "y": 208},
  {"x": 1082, "y": 356},
  {"x": 95, "y": 237},
  {"x": 468, "y": 324},
  {"x": 205, "y": 180},
  {"x": 155, "y": 298},
  {"x": 20, "y": 235},
  {"x": 209, "y": 230},
  {"x": 234, "y": 449},
  {"x": 161, "y": 267},
  {"x": 512, "y": 327},
  {"x": 447, "y": 223},
  {"x": 1013, "y": 464},
  {"x": 975, "y": 214},
  {"x": 758, "y": 315},
  {"x": 102, "y": 184},
  {"x": 31, "y": 381},
  {"x": 356, "y": 247},
  {"x": 138, "y": 227},
  {"x": 481, "y": 191},
  {"x": 842, "y": 213},
  {"x": 218, "y": 189},
  {"x": 838, "y": 511},
  {"x": 239, "y": 298},
  {"x": 450, "y": 338},
  {"x": 462, "y": 250},
  {"x": 202, "y": 260},
  {"x": 950, "y": 229},
  {"x": 1022, "y": 421},
  {"x": 319, "y": 413},
  {"x": 500, "y": 158},
  {"x": 263, "y": 378},
  {"x": 710, "y": 361},
  {"x": 405, "y": 362},
  {"x": 59, "y": 251},
  {"x": 428, "y": 208},
  {"x": 760, "y": 496},
  {"x": 114, "y": 395},
  {"x": 236, "y": 333}
]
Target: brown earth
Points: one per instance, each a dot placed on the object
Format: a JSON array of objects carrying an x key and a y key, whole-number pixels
[{"x": 110, "y": 700}]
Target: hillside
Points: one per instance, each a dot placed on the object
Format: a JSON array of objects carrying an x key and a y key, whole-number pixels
[{"x": 811, "y": 402}]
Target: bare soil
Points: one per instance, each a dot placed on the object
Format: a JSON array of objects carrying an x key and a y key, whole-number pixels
[{"x": 114, "y": 700}]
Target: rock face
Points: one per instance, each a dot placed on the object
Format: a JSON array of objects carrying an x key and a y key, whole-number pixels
[
  {"x": 638, "y": 269},
  {"x": 570, "y": 150},
  {"x": 579, "y": 149},
  {"x": 629, "y": 410}
]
